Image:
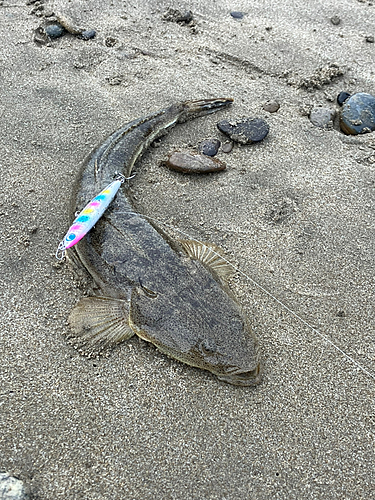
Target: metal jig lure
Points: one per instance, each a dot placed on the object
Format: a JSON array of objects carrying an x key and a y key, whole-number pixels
[{"x": 89, "y": 216}]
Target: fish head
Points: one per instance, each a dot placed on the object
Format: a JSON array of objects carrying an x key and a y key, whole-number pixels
[
  {"x": 231, "y": 351},
  {"x": 213, "y": 336}
]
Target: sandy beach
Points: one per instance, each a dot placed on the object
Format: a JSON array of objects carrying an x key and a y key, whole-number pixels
[{"x": 294, "y": 213}]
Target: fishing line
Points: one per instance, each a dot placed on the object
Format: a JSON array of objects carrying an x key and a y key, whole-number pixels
[{"x": 306, "y": 323}]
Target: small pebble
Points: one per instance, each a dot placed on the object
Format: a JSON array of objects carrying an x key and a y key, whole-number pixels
[
  {"x": 110, "y": 41},
  {"x": 370, "y": 39},
  {"x": 184, "y": 161},
  {"x": 245, "y": 131},
  {"x": 176, "y": 16},
  {"x": 227, "y": 147},
  {"x": 12, "y": 488},
  {"x": 40, "y": 36},
  {"x": 335, "y": 20},
  {"x": 342, "y": 97},
  {"x": 209, "y": 147},
  {"x": 88, "y": 34},
  {"x": 271, "y": 106},
  {"x": 54, "y": 30},
  {"x": 358, "y": 114},
  {"x": 321, "y": 117},
  {"x": 114, "y": 80},
  {"x": 237, "y": 14}
]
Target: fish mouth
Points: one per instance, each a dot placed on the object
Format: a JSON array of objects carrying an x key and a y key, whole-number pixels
[
  {"x": 244, "y": 378},
  {"x": 193, "y": 109}
]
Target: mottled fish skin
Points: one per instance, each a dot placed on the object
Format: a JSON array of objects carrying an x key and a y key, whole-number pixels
[{"x": 165, "y": 297}]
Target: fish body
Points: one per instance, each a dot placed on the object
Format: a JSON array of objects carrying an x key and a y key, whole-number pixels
[{"x": 167, "y": 292}]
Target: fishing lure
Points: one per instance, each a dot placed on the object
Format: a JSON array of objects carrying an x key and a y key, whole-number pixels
[{"x": 89, "y": 216}]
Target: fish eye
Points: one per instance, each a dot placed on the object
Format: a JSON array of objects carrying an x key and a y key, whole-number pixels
[
  {"x": 207, "y": 346},
  {"x": 147, "y": 291}
]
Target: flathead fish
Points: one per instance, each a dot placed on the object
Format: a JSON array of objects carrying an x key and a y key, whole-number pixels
[{"x": 170, "y": 293}]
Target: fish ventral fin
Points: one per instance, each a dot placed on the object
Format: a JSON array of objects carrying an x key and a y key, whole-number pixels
[
  {"x": 97, "y": 323},
  {"x": 209, "y": 255}
]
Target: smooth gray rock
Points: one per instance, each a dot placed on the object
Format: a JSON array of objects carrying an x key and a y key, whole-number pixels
[
  {"x": 12, "y": 488},
  {"x": 321, "y": 117}
]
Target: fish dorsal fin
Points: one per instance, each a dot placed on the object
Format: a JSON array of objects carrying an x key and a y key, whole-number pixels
[
  {"x": 99, "y": 322},
  {"x": 209, "y": 255}
]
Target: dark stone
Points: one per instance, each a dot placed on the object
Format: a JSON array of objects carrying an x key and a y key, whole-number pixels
[
  {"x": 358, "y": 114},
  {"x": 209, "y": 147},
  {"x": 54, "y": 30},
  {"x": 245, "y": 131},
  {"x": 370, "y": 39},
  {"x": 342, "y": 97},
  {"x": 88, "y": 34},
  {"x": 237, "y": 14},
  {"x": 184, "y": 161}
]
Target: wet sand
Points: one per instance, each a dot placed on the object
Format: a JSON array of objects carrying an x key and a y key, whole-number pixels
[{"x": 295, "y": 213}]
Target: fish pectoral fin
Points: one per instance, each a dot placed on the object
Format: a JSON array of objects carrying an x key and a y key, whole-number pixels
[
  {"x": 99, "y": 322},
  {"x": 210, "y": 255}
]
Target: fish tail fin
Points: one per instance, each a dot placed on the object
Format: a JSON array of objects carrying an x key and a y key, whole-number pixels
[
  {"x": 201, "y": 107},
  {"x": 97, "y": 323}
]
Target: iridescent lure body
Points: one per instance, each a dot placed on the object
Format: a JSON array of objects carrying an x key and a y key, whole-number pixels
[{"x": 89, "y": 216}]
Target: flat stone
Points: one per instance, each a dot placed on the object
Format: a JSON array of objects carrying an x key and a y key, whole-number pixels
[
  {"x": 193, "y": 163},
  {"x": 245, "y": 131},
  {"x": 237, "y": 14},
  {"x": 358, "y": 114}
]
